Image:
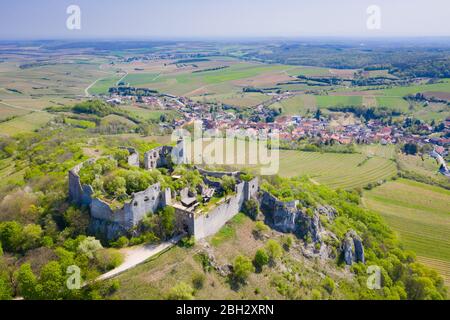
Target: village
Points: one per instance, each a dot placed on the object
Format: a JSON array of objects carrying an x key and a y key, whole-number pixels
[{"x": 323, "y": 129}]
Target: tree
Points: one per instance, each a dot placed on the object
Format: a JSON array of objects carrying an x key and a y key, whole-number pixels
[
  {"x": 26, "y": 282},
  {"x": 168, "y": 221},
  {"x": 31, "y": 237},
  {"x": 115, "y": 186},
  {"x": 228, "y": 184},
  {"x": 261, "y": 258},
  {"x": 318, "y": 114},
  {"x": 136, "y": 181},
  {"x": 273, "y": 249},
  {"x": 52, "y": 281},
  {"x": 89, "y": 246},
  {"x": 251, "y": 208},
  {"x": 242, "y": 268},
  {"x": 410, "y": 148},
  {"x": 10, "y": 235},
  {"x": 182, "y": 291},
  {"x": 5, "y": 289},
  {"x": 1, "y": 249}
]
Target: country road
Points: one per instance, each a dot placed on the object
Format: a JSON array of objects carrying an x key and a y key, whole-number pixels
[{"x": 136, "y": 255}]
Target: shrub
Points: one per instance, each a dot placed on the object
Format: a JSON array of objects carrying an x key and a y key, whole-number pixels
[
  {"x": 251, "y": 208},
  {"x": 273, "y": 249},
  {"x": 261, "y": 258},
  {"x": 328, "y": 284},
  {"x": 228, "y": 184},
  {"x": 261, "y": 227},
  {"x": 288, "y": 241},
  {"x": 187, "y": 242},
  {"x": 89, "y": 246},
  {"x": 122, "y": 242},
  {"x": 108, "y": 259},
  {"x": 316, "y": 294},
  {"x": 242, "y": 268},
  {"x": 168, "y": 221},
  {"x": 182, "y": 291},
  {"x": 198, "y": 281}
]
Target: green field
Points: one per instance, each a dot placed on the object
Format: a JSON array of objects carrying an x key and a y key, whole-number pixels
[
  {"x": 425, "y": 167},
  {"x": 26, "y": 123},
  {"x": 421, "y": 215},
  {"x": 400, "y": 92},
  {"x": 330, "y": 101},
  {"x": 147, "y": 114},
  {"x": 336, "y": 170},
  {"x": 102, "y": 85},
  {"x": 393, "y": 103},
  {"x": 184, "y": 82},
  {"x": 297, "y": 105},
  {"x": 237, "y": 99}
]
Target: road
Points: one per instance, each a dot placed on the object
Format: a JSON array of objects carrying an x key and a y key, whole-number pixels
[{"x": 134, "y": 256}]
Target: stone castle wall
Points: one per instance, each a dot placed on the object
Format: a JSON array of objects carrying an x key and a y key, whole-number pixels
[
  {"x": 206, "y": 224},
  {"x": 112, "y": 223},
  {"x": 133, "y": 158},
  {"x": 157, "y": 157},
  {"x": 115, "y": 222}
]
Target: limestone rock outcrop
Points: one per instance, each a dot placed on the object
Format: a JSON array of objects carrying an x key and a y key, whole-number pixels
[{"x": 353, "y": 249}]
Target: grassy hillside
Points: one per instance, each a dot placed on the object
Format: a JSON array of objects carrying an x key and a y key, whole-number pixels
[{"x": 421, "y": 215}]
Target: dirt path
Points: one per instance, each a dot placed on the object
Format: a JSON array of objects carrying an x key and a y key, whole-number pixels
[{"x": 136, "y": 255}]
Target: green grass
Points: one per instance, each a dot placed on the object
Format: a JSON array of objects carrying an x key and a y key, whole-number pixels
[
  {"x": 237, "y": 99},
  {"x": 26, "y": 123},
  {"x": 336, "y": 170},
  {"x": 148, "y": 114},
  {"x": 228, "y": 231},
  {"x": 102, "y": 86},
  {"x": 425, "y": 167},
  {"x": 298, "y": 105},
  {"x": 400, "y": 92},
  {"x": 331, "y": 101},
  {"x": 80, "y": 123},
  {"x": 138, "y": 79},
  {"x": 420, "y": 214},
  {"x": 393, "y": 103}
]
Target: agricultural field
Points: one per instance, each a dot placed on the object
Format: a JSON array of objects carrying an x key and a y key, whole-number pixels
[
  {"x": 331, "y": 101},
  {"x": 424, "y": 167},
  {"x": 336, "y": 170},
  {"x": 27, "y": 123},
  {"x": 441, "y": 86},
  {"x": 434, "y": 111},
  {"x": 147, "y": 114},
  {"x": 393, "y": 103},
  {"x": 102, "y": 85},
  {"x": 421, "y": 215},
  {"x": 198, "y": 78},
  {"x": 237, "y": 99},
  {"x": 298, "y": 105}
]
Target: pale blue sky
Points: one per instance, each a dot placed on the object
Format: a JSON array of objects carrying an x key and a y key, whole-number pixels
[{"x": 46, "y": 19}]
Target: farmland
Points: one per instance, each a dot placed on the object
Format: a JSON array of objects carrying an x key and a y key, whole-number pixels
[
  {"x": 338, "y": 170},
  {"x": 422, "y": 221},
  {"x": 26, "y": 123}
]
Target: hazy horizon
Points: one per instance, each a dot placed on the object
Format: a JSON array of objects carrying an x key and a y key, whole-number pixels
[{"x": 231, "y": 19}]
